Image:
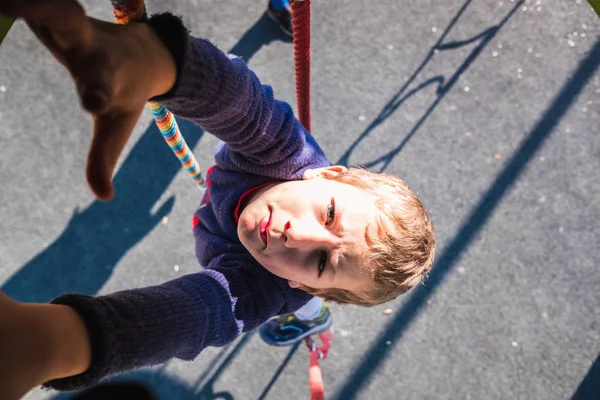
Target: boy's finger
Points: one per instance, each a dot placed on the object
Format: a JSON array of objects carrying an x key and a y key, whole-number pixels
[
  {"x": 66, "y": 19},
  {"x": 111, "y": 132}
]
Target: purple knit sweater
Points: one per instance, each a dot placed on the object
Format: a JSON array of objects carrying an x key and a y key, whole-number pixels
[{"x": 263, "y": 142}]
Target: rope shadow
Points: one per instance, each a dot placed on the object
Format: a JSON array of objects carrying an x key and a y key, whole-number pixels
[
  {"x": 284, "y": 364},
  {"x": 379, "y": 351},
  {"x": 207, "y": 392},
  {"x": 443, "y": 86}
]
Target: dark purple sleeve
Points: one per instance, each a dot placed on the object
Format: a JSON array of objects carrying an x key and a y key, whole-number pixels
[
  {"x": 178, "y": 319},
  {"x": 223, "y": 96}
]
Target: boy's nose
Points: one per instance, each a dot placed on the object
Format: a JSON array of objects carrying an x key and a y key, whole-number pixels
[{"x": 303, "y": 235}]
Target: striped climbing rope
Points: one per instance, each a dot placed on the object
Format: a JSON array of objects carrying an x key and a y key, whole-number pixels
[
  {"x": 170, "y": 131},
  {"x": 125, "y": 12}
]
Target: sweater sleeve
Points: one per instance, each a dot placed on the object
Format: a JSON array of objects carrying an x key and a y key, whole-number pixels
[
  {"x": 178, "y": 319},
  {"x": 223, "y": 96}
]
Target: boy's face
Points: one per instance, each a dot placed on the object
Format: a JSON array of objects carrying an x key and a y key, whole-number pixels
[{"x": 310, "y": 232}]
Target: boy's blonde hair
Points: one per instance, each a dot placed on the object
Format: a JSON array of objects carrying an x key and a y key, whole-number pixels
[{"x": 402, "y": 252}]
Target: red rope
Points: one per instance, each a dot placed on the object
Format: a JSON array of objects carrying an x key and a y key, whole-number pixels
[
  {"x": 315, "y": 377},
  {"x": 301, "y": 29}
]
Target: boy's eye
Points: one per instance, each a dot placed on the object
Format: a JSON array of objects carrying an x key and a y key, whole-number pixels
[
  {"x": 330, "y": 215},
  {"x": 322, "y": 262}
]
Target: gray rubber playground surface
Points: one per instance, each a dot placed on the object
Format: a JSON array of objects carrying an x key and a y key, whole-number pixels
[{"x": 490, "y": 110}]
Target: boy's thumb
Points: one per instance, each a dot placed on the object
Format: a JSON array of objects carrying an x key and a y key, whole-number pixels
[{"x": 111, "y": 132}]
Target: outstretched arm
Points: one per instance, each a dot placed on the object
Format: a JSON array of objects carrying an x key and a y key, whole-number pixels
[
  {"x": 88, "y": 338},
  {"x": 223, "y": 96}
]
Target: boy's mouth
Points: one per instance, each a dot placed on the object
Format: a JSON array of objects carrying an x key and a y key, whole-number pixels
[{"x": 264, "y": 229}]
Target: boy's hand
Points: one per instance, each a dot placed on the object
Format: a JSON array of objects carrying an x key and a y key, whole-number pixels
[{"x": 116, "y": 69}]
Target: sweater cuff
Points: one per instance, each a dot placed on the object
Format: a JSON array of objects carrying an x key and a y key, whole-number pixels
[
  {"x": 101, "y": 339},
  {"x": 175, "y": 36}
]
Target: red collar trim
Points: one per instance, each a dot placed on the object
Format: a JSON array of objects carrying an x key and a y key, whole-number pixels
[{"x": 236, "y": 212}]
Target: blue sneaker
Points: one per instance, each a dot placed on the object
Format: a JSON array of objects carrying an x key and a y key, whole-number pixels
[{"x": 287, "y": 330}]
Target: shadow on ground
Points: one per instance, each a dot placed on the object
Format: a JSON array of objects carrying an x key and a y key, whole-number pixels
[
  {"x": 589, "y": 388},
  {"x": 84, "y": 256}
]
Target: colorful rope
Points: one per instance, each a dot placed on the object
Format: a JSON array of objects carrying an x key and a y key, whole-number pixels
[
  {"x": 125, "y": 12},
  {"x": 170, "y": 131}
]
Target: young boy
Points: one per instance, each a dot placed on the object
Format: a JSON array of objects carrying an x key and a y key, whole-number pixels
[{"x": 278, "y": 224}]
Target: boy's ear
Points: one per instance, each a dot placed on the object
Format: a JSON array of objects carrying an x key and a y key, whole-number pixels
[{"x": 325, "y": 172}]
